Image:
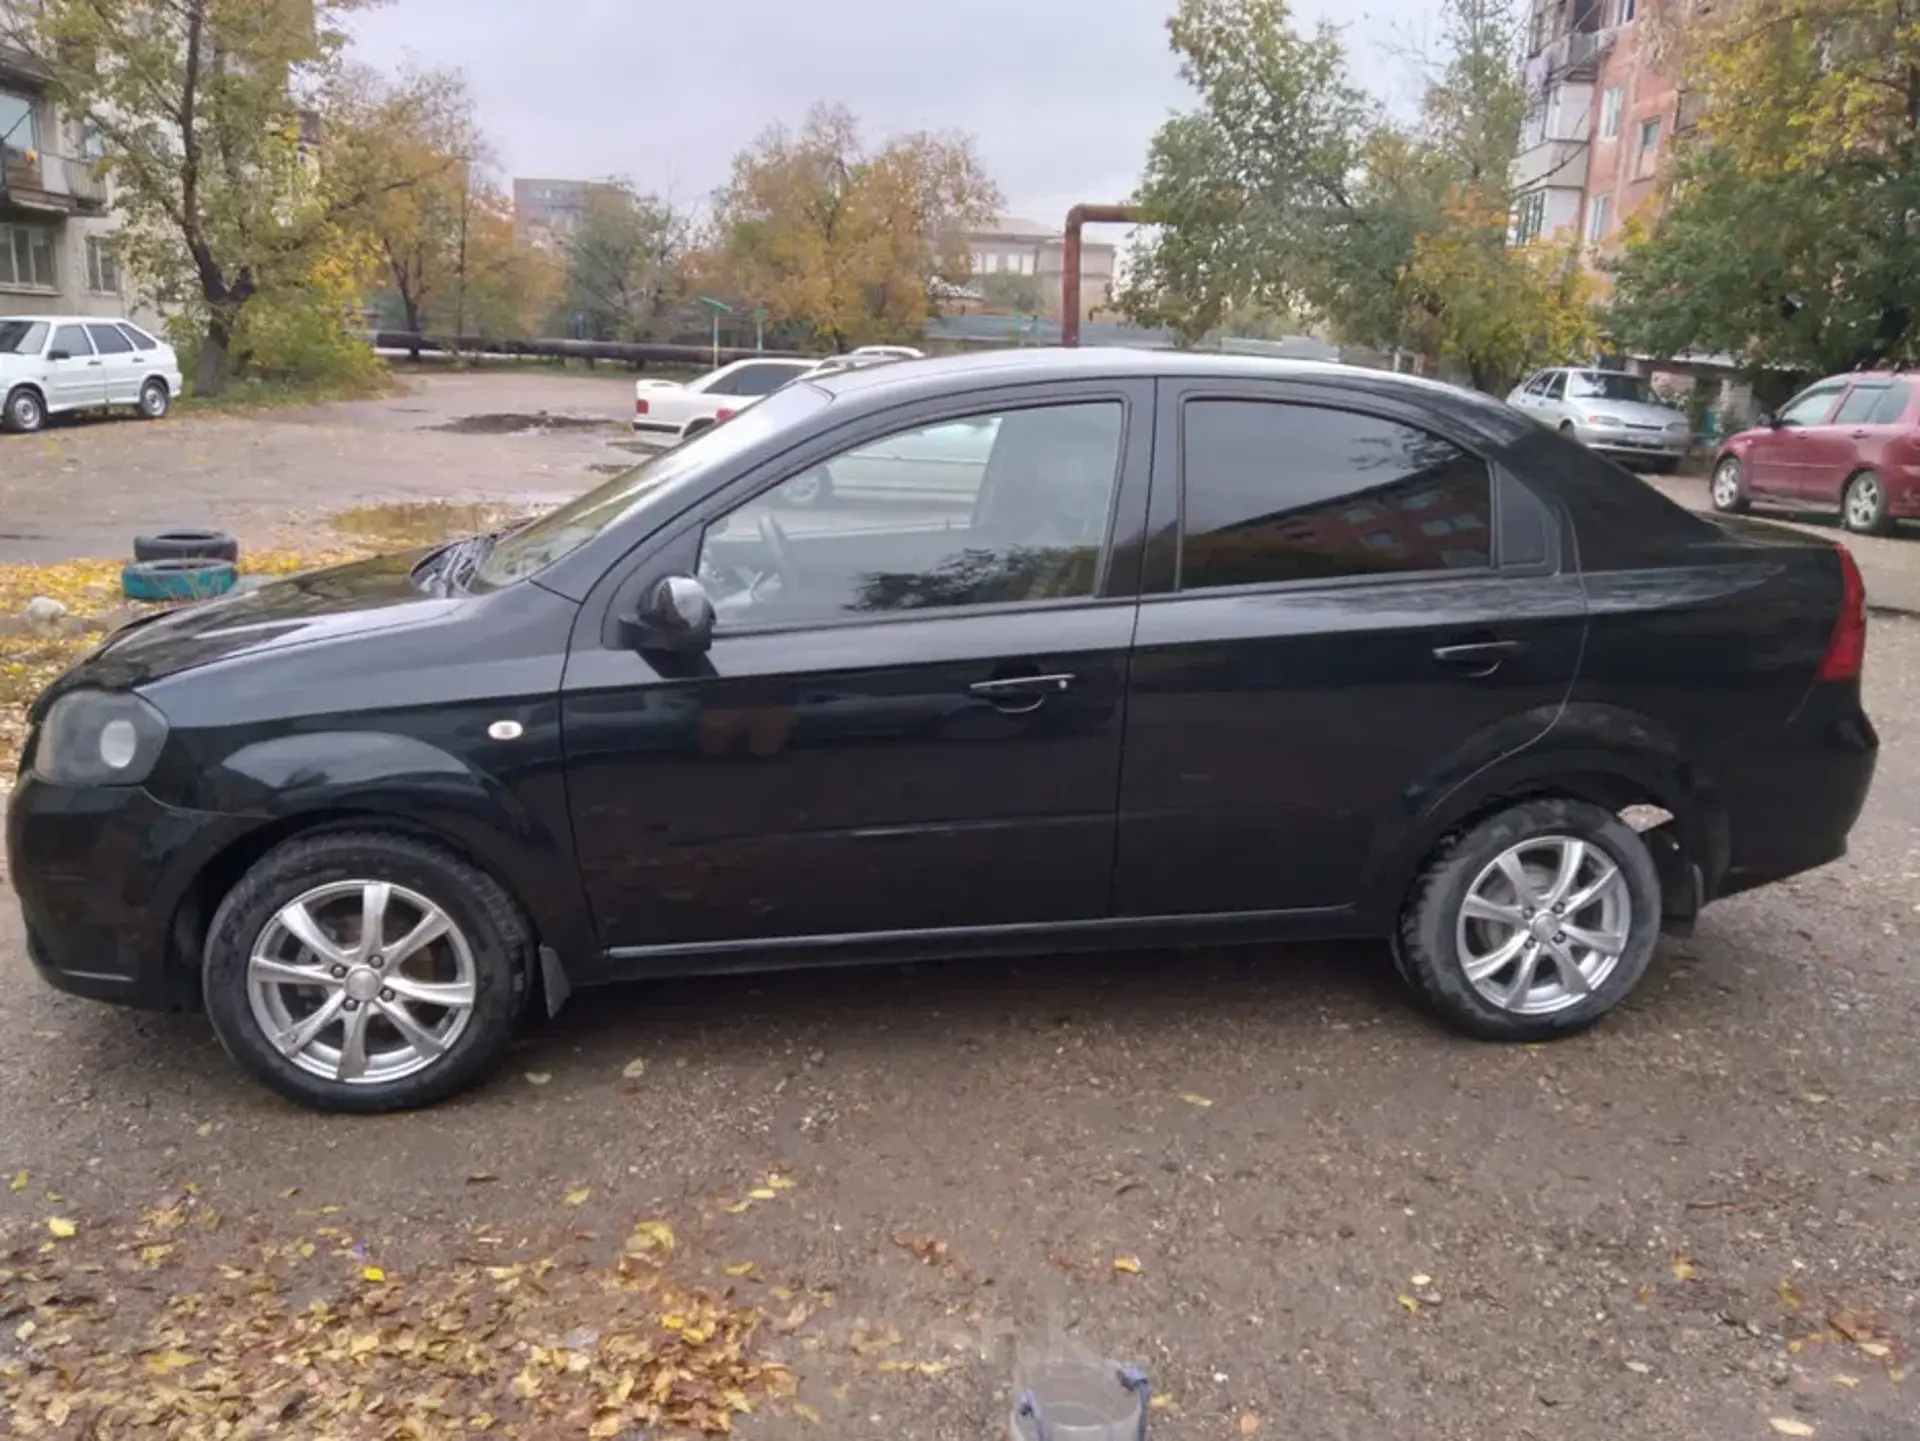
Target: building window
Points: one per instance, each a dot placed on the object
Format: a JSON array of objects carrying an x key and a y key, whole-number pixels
[
  {"x": 1599, "y": 218},
  {"x": 1647, "y": 155},
  {"x": 1610, "y": 113},
  {"x": 103, "y": 267},
  {"x": 1529, "y": 217},
  {"x": 26, "y": 257},
  {"x": 19, "y": 128}
]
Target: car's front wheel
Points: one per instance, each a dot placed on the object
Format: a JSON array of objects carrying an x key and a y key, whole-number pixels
[
  {"x": 366, "y": 971},
  {"x": 1728, "y": 488},
  {"x": 25, "y": 411},
  {"x": 1533, "y": 924}
]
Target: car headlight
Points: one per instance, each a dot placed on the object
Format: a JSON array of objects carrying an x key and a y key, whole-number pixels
[
  {"x": 1607, "y": 422},
  {"x": 99, "y": 738}
]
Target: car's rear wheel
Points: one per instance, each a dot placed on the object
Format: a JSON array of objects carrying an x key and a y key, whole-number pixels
[
  {"x": 1533, "y": 924},
  {"x": 1728, "y": 488},
  {"x": 806, "y": 491},
  {"x": 155, "y": 399},
  {"x": 366, "y": 971},
  {"x": 1863, "y": 508},
  {"x": 26, "y": 411}
]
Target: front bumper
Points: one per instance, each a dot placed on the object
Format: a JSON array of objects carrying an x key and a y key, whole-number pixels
[
  {"x": 1641, "y": 444},
  {"x": 101, "y": 873}
]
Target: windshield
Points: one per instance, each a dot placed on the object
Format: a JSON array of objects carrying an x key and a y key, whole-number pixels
[
  {"x": 532, "y": 548},
  {"x": 22, "y": 337},
  {"x": 1608, "y": 385}
]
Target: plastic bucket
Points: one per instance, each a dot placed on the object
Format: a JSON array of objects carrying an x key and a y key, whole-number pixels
[{"x": 1082, "y": 1403}]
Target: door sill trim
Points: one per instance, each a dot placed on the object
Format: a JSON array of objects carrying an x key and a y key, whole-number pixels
[{"x": 1103, "y": 933}]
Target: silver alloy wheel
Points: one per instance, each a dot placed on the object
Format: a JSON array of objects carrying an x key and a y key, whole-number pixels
[
  {"x": 153, "y": 400},
  {"x": 26, "y": 412},
  {"x": 1863, "y": 502},
  {"x": 1544, "y": 924},
  {"x": 1726, "y": 483},
  {"x": 362, "y": 982},
  {"x": 802, "y": 490}
]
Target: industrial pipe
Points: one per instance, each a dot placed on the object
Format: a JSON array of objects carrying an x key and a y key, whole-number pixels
[{"x": 1077, "y": 217}]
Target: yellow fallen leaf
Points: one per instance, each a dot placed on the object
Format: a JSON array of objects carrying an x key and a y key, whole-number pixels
[
  {"x": 167, "y": 1361},
  {"x": 374, "y": 1273},
  {"x": 742, "y": 1268},
  {"x": 1249, "y": 1424},
  {"x": 1843, "y": 1379},
  {"x": 24, "y": 1331},
  {"x": 205, "y": 1128},
  {"x": 1790, "y": 1297},
  {"x": 1682, "y": 1269},
  {"x": 761, "y": 1193},
  {"x": 18, "y": 1183},
  {"x": 1411, "y": 1306},
  {"x": 289, "y": 1193},
  {"x": 539, "y": 1078},
  {"x": 1875, "y": 1349},
  {"x": 806, "y": 1412},
  {"x": 734, "y": 1208},
  {"x": 1161, "y": 1401},
  {"x": 1127, "y": 1265},
  {"x": 579, "y": 1197},
  {"x": 634, "y": 1069},
  {"x": 649, "y": 1236},
  {"x": 1194, "y": 1098},
  {"x": 1787, "y": 1426},
  {"x": 61, "y": 1226},
  {"x": 365, "y": 1344},
  {"x": 674, "y": 1321},
  {"x": 154, "y": 1255},
  {"x": 782, "y": 1183}
]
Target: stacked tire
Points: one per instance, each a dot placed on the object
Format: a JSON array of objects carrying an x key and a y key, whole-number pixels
[{"x": 181, "y": 564}]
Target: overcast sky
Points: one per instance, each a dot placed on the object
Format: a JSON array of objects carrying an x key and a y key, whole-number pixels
[{"x": 1062, "y": 95}]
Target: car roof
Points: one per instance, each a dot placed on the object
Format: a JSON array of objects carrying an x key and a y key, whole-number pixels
[
  {"x": 906, "y": 380},
  {"x": 71, "y": 319}
]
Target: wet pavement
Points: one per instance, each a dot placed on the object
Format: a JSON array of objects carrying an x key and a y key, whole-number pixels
[{"x": 1260, "y": 1173}]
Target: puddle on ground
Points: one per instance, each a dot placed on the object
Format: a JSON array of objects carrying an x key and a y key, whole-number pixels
[
  {"x": 509, "y": 424},
  {"x": 409, "y": 523}
]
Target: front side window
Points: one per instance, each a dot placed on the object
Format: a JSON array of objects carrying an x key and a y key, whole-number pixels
[
  {"x": 995, "y": 509},
  {"x": 1269, "y": 489},
  {"x": 1810, "y": 407},
  {"x": 1556, "y": 385},
  {"x": 73, "y": 340}
]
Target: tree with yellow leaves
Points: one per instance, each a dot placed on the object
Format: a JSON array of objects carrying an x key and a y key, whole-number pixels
[{"x": 842, "y": 243}]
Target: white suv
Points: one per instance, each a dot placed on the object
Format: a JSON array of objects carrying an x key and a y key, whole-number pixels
[{"x": 55, "y": 363}]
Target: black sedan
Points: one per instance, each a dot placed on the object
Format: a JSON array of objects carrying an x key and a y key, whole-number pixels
[{"x": 1185, "y": 649}]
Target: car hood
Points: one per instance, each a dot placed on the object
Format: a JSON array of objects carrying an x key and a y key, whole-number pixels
[
  {"x": 1634, "y": 412},
  {"x": 369, "y": 595}
]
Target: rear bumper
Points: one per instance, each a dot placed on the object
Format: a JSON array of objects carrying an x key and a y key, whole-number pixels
[{"x": 1792, "y": 809}]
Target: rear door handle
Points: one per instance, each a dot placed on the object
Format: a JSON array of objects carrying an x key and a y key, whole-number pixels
[
  {"x": 1019, "y": 693},
  {"x": 1478, "y": 657}
]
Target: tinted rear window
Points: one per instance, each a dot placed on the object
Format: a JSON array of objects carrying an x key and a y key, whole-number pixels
[{"x": 1892, "y": 404}]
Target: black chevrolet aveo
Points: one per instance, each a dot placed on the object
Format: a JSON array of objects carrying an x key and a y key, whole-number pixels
[{"x": 1069, "y": 650}]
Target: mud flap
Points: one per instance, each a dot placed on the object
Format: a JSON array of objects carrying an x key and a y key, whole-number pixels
[{"x": 553, "y": 977}]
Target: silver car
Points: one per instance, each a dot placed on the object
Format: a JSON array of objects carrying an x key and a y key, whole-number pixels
[{"x": 1610, "y": 411}]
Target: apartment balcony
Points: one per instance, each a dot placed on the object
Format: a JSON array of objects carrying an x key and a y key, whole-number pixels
[
  {"x": 1551, "y": 165},
  {"x": 1572, "y": 56},
  {"x": 50, "y": 184}
]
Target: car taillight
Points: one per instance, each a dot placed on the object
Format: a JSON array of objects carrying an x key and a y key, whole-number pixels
[
  {"x": 639, "y": 406},
  {"x": 723, "y": 415},
  {"x": 1849, "y": 644}
]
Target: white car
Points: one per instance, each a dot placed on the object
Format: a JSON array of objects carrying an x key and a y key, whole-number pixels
[
  {"x": 666, "y": 412},
  {"x": 52, "y": 364},
  {"x": 1610, "y": 411}
]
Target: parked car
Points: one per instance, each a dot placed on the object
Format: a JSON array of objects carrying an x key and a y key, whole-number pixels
[
  {"x": 1610, "y": 411},
  {"x": 1223, "y": 650},
  {"x": 666, "y": 412},
  {"x": 1848, "y": 445},
  {"x": 54, "y": 364}
]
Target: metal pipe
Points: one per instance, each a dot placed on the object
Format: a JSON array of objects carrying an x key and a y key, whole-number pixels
[{"x": 1077, "y": 217}]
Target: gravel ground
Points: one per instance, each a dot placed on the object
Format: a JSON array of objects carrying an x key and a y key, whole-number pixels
[{"x": 1701, "y": 1220}]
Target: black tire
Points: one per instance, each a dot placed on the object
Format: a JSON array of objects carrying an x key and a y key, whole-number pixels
[
  {"x": 496, "y": 933},
  {"x": 800, "y": 495},
  {"x": 186, "y": 543},
  {"x": 26, "y": 412},
  {"x": 1864, "y": 508},
  {"x": 155, "y": 399},
  {"x": 694, "y": 427},
  {"x": 1727, "y": 486},
  {"x": 1427, "y": 949}
]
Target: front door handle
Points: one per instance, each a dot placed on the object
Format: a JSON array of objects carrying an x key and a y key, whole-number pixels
[
  {"x": 1478, "y": 657},
  {"x": 1017, "y": 694}
]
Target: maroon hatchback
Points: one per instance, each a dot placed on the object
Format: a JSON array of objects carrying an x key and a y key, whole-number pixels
[{"x": 1849, "y": 445}]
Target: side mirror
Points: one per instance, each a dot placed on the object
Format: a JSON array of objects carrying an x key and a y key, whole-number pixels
[
  {"x": 1768, "y": 420},
  {"x": 676, "y": 617},
  {"x": 59, "y": 355}
]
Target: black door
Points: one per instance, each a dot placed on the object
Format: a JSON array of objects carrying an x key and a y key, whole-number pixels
[
  {"x": 911, "y": 714},
  {"x": 1339, "y": 638}
]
